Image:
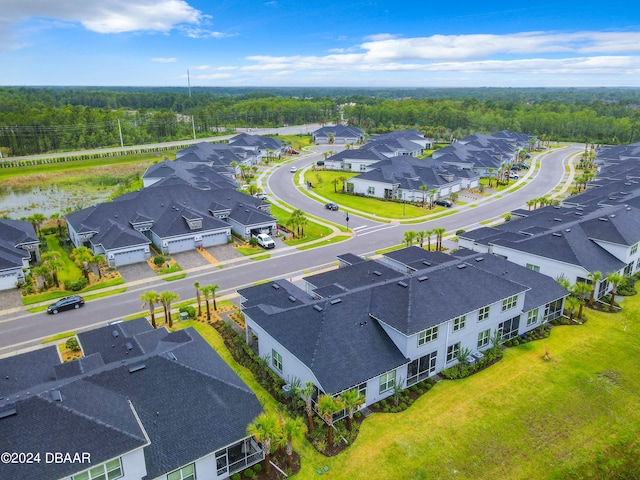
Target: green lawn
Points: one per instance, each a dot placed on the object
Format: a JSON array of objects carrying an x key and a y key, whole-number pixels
[
  {"x": 69, "y": 270},
  {"x": 322, "y": 182},
  {"x": 312, "y": 231},
  {"x": 575, "y": 416}
]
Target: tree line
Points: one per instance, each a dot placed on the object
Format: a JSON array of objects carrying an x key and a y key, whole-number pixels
[{"x": 40, "y": 120}]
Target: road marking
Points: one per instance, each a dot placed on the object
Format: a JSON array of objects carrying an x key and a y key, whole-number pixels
[
  {"x": 360, "y": 228},
  {"x": 374, "y": 230}
]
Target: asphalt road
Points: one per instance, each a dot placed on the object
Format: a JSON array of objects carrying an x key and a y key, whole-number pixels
[{"x": 21, "y": 330}]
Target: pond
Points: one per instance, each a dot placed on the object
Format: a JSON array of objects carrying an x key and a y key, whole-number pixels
[{"x": 23, "y": 202}]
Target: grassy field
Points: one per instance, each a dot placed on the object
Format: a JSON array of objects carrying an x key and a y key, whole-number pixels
[
  {"x": 323, "y": 185},
  {"x": 312, "y": 231},
  {"x": 69, "y": 271},
  {"x": 573, "y": 417}
]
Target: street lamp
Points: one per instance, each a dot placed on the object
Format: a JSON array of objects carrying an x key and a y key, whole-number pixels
[{"x": 346, "y": 217}]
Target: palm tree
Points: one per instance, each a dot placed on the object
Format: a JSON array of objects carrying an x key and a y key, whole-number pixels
[
  {"x": 150, "y": 298},
  {"x": 306, "y": 393},
  {"x": 432, "y": 197},
  {"x": 335, "y": 183},
  {"x": 409, "y": 237},
  {"x": 265, "y": 428},
  {"x": 52, "y": 263},
  {"x": 423, "y": 188},
  {"x": 343, "y": 180},
  {"x": 615, "y": 279},
  {"x": 439, "y": 231},
  {"x": 98, "y": 261},
  {"x": 210, "y": 290},
  {"x": 420, "y": 236},
  {"x": 570, "y": 305},
  {"x": 196, "y": 285},
  {"x": 490, "y": 171},
  {"x": 428, "y": 233},
  {"x": 531, "y": 203},
  {"x": 595, "y": 277},
  {"x": 37, "y": 219},
  {"x": 82, "y": 256},
  {"x": 292, "y": 429},
  {"x": 581, "y": 290},
  {"x": 352, "y": 400},
  {"x": 327, "y": 406},
  {"x": 166, "y": 298}
]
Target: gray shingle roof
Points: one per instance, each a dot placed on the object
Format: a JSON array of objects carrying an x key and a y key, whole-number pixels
[
  {"x": 190, "y": 403},
  {"x": 341, "y": 344}
]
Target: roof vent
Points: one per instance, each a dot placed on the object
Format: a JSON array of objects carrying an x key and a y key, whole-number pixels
[
  {"x": 335, "y": 300},
  {"x": 425, "y": 262},
  {"x": 461, "y": 266},
  {"x": 129, "y": 346},
  {"x": 55, "y": 395},
  {"x": 137, "y": 368},
  {"x": 377, "y": 273},
  {"x": 403, "y": 284},
  {"x": 479, "y": 259},
  {"x": 603, "y": 219},
  {"x": 317, "y": 308},
  {"x": 612, "y": 215},
  {"x": 172, "y": 356},
  {"x": 556, "y": 234},
  {"x": 275, "y": 286},
  {"x": 568, "y": 230},
  {"x": 115, "y": 334},
  {"x": 423, "y": 278},
  {"x": 292, "y": 298}
]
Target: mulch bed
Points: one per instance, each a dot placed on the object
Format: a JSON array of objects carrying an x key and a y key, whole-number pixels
[{"x": 280, "y": 459}]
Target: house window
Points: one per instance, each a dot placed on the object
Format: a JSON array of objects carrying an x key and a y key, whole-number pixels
[
  {"x": 483, "y": 313},
  {"x": 458, "y": 323},
  {"x": 371, "y": 190},
  {"x": 634, "y": 249},
  {"x": 421, "y": 368},
  {"x": 428, "y": 335},
  {"x": 185, "y": 473},
  {"x": 452, "y": 351},
  {"x": 553, "y": 310},
  {"x": 363, "y": 167},
  {"x": 509, "y": 303},
  {"x": 276, "y": 360},
  {"x": 509, "y": 328},
  {"x": 535, "y": 268},
  {"x": 483, "y": 338},
  {"x": 106, "y": 471},
  {"x": 387, "y": 380},
  {"x": 532, "y": 317}
]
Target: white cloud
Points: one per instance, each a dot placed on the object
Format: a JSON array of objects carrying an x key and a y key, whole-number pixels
[
  {"x": 214, "y": 76},
  {"x": 164, "y": 60},
  {"x": 104, "y": 16}
]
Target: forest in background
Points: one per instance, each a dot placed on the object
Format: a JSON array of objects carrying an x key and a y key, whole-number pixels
[{"x": 35, "y": 120}]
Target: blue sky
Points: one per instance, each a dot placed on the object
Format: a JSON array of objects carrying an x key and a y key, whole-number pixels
[{"x": 400, "y": 43}]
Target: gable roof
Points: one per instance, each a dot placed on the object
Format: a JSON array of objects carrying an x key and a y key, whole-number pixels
[
  {"x": 13, "y": 235},
  {"x": 132, "y": 398}
]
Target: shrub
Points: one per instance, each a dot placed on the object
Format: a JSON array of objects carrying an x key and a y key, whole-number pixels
[
  {"x": 257, "y": 468},
  {"x": 253, "y": 241},
  {"x": 460, "y": 232},
  {"x": 75, "y": 285},
  {"x": 191, "y": 311},
  {"x": 72, "y": 344},
  {"x": 249, "y": 473},
  {"x": 158, "y": 260},
  {"x": 235, "y": 476}
]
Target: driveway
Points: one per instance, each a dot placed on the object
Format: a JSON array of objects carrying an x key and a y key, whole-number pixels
[
  {"x": 189, "y": 259},
  {"x": 10, "y": 299},
  {"x": 136, "y": 271},
  {"x": 224, "y": 252}
]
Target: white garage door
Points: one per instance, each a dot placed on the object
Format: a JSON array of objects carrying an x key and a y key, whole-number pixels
[
  {"x": 129, "y": 257},
  {"x": 214, "y": 239},
  {"x": 175, "y": 246},
  {"x": 8, "y": 281}
]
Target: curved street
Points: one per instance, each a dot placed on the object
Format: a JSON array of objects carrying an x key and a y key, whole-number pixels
[{"x": 21, "y": 330}]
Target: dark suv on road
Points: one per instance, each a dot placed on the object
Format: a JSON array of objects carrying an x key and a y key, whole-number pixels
[
  {"x": 443, "y": 203},
  {"x": 331, "y": 206},
  {"x": 66, "y": 303}
]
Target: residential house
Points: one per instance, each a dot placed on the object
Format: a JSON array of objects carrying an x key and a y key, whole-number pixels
[
  {"x": 18, "y": 246},
  {"x": 139, "y": 404},
  {"x": 223, "y": 158},
  {"x": 200, "y": 175},
  {"x": 374, "y": 325},
  {"x": 566, "y": 242},
  {"x": 339, "y": 134},
  {"x": 265, "y": 146}
]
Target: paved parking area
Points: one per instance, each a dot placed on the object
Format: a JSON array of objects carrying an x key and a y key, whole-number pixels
[
  {"x": 10, "y": 299},
  {"x": 189, "y": 259},
  {"x": 224, "y": 252},
  {"x": 136, "y": 271}
]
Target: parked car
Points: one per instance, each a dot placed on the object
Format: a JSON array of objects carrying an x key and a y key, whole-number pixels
[
  {"x": 443, "y": 203},
  {"x": 516, "y": 167},
  {"x": 265, "y": 241},
  {"x": 261, "y": 196},
  {"x": 526, "y": 166},
  {"x": 320, "y": 163},
  {"x": 331, "y": 206},
  {"x": 66, "y": 303},
  {"x": 514, "y": 176},
  {"x": 293, "y": 169}
]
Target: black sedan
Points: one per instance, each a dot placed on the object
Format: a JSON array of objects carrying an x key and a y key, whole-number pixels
[
  {"x": 66, "y": 303},
  {"x": 331, "y": 206}
]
